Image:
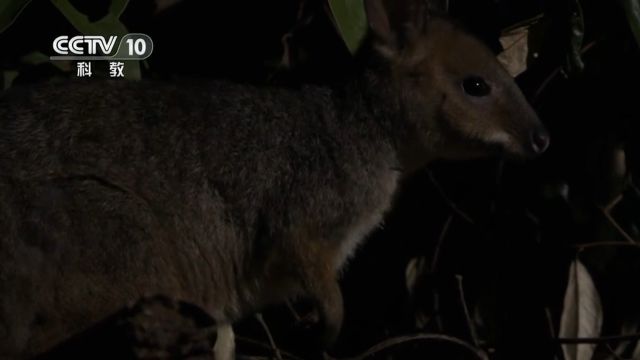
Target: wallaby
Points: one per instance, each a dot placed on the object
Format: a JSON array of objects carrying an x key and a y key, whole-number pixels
[{"x": 231, "y": 196}]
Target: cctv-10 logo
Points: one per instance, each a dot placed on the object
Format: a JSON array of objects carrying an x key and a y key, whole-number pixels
[{"x": 133, "y": 46}]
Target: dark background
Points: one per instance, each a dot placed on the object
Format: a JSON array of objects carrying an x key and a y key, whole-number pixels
[{"x": 504, "y": 233}]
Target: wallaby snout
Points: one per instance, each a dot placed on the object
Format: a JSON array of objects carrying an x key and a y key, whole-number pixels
[{"x": 539, "y": 140}]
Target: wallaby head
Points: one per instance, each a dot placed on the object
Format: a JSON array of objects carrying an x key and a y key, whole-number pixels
[{"x": 456, "y": 99}]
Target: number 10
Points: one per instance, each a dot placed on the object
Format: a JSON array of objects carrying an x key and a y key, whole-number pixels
[{"x": 137, "y": 47}]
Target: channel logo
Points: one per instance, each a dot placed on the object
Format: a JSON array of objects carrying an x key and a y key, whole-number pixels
[{"x": 134, "y": 46}]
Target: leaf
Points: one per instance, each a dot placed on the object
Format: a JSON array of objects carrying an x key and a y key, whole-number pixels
[
  {"x": 110, "y": 24},
  {"x": 7, "y": 78},
  {"x": 34, "y": 58},
  {"x": 521, "y": 44},
  {"x": 351, "y": 21},
  {"x": 516, "y": 50},
  {"x": 414, "y": 268},
  {"x": 117, "y": 7},
  {"x": 636, "y": 352},
  {"x": 632, "y": 9},
  {"x": 38, "y": 58},
  {"x": 9, "y": 11},
  {"x": 582, "y": 313}
]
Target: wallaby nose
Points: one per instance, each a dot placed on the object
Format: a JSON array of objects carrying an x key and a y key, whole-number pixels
[{"x": 539, "y": 140}]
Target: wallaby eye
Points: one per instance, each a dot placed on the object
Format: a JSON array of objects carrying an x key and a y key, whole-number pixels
[{"x": 476, "y": 86}]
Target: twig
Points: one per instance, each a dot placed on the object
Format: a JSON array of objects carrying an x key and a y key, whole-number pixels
[
  {"x": 463, "y": 302},
  {"x": 434, "y": 263},
  {"x": 552, "y": 331},
  {"x": 436, "y": 310},
  {"x": 526, "y": 22},
  {"x": 545, "y": 83},
  {"x": 267, "y": 347},
  {"x": 293, "y": 311},
  {"x": 446, "y": 198},
  {"x": 606, "y": 243},
  {"x": 599, "y": 340},
  {"x": 612, "y": 203},
  {"x": 523, "y": 36},
  {"x": 613, "y": 352},
  {"x": 534, "y": 219},
  {"x": 480, "y": 354},
  {"x": 617, "y": 226},
  {"x": 274, "y": 347},
  {"x": 436, "y": 251},
  {"x": 633, "y": 187},
  {"x": 555, "y": 73}
]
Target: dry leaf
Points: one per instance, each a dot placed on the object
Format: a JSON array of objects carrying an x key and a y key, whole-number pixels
[
  {"x": 412, "y": 272},
  {"x": 636, "y": 352},
  {"x": 516, "y": 50},
  {"x": 522, "y": 43},
  {"x": 582, "y": 313}
]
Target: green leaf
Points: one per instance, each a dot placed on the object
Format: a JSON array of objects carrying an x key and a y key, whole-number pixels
[
  {"x": 34, "y": 58},
  {"x": 38, "y": 58},
  {"x": 9, "y": 11},
  {"x": 110, "y": 24},
  {"x": 351, "y": 21},
  {"x": 117, "y": 7},
  {"x": 632, "y": 9},
  {"x": 7, "y": 78}
]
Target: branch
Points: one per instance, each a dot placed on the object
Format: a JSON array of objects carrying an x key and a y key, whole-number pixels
[
  {"x": 606, "y": 243},
  {"x": 267, "y": 347},
  {"x": 479, "y": 353},
  {"x": 463, "y": 302},
  {"x": 552, "y": 332},
  {"x": 599, "y": 340},
  {"x": 617, "y": 226},
  {"x": 436, "y": 252},
  {"x": 555, "y": 73},
  {"x": 446, "y": 198},
  {"x": 272, "y": 342}
]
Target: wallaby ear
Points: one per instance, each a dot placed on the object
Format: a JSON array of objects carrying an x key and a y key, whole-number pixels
[
  {"x": 395, "y": 24},
  {"x": 379, "y": 26}
]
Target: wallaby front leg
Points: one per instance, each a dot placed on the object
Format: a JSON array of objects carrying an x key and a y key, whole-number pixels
[
  {"x": 312, "y": 263},
  {"x": 321, "y": 286},
  {"x": 330, "y": 310}
]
